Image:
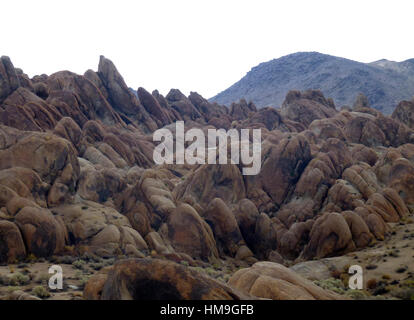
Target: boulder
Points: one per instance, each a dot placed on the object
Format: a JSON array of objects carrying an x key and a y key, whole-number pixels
[
  {"x": 190, "y": 234},
  {"x": 212, "y": 181},
  {"x": 304, "y": 107},
  {"x": 330, "y": 235},
  {"x": 271, "y": 280},
  {"x": 404, "y": 112},
  {"x": 282, "y": 165},
  {"x": 43, "y": 234},
  {"x": 154, "y": 279},
  {"x": 224, "y": 225},
  {"x": 11, "y": 242}
]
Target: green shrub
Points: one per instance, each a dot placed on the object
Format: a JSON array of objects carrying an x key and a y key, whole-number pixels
[
  {"x": 18, "y": 279},
  {"x": 78, "y": 264},
  {"x": 40, "y": 292}
]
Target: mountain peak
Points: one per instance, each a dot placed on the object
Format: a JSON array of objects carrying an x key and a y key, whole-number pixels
[{"x": 339, "y": 78}]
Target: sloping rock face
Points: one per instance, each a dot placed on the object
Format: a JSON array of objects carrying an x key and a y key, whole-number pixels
[
  {"x": 77, "y": 177},
  {"x": 274, "y": 281}
]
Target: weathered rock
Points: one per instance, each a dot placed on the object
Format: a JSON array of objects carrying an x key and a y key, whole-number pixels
[
  {"x": 293, "y": 241},
  {"x": 281, "y": 168},
  {"x": 52, "y": 158},
  {"x": 11, "y": 242},
  {"x": 265, "y": 236},
  {"x": 69, "y": 130},
  {"x": 90, "y": 100},
  {"x": 224, "y": 225},
  {"x": 100, "y": 229},
  {"x": 119, "y": 95},
  {"x": 153, "y": 107},
  {"x": 241, "y": 110},
  {"x": 404, "y": 113},
  {"x": 8, "y": 78},
  {"x": 182, "y": 105},
  {"x": 361, "y": 235},
  {"x": 156, "y": 243},
  {"x": 188, "y": 233},
  {"x": 363, "y": 153},
  {"x": 365, "y": 131},
  {"x": 246, "y": 215},
  {"x": 330, "y": 235},
  {"x": 154, "y": 279},
  {"x": 304, "y": 107},
  {"x": 384, "y": 207},
  {"x": 213, "y": 181},
  {"x": 327, "y": 128},
  {"x": 273, "y": 281},
  {"x": 43, "y": 234}
]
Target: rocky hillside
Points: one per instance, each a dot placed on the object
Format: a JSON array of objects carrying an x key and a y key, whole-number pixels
[
  {"x": 384, "y": 82},
  {"x": 78, "y": 185}
]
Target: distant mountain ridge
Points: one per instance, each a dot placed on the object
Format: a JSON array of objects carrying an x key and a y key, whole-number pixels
[{"x": 384, "y": 82}]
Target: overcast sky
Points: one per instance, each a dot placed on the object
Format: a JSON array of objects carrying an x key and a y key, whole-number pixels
[{"x": 202, "y": 46}]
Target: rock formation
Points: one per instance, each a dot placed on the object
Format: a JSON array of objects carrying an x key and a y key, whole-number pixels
[{"x": 76, "y": 171}]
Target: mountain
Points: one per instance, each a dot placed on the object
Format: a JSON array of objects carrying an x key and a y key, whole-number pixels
[{"x": 384, "y": 82}]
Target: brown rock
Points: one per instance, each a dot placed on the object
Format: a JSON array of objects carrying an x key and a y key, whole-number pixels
[
  {"x": 241, "y": 110},
  {"x": 361, "y": 235},
  {"x": 273, "y": 281},
  {"x": 8, "y": 78},
  {"x": 93, "y": 288},
  {"x": 180, "y": 103},
  {"x": 304, "y": 107},
  {"x": 42, "y": 233},
  {"x": 224, "y": 225},
  {"x": 52, "y": 158},
  {"x": 404, "y": 113},
  {"x": 11, "y": 242},
  {"x": 68, "y": 104},
  {"x": 293, "y": 241},
  {"x": 246, "y": 215},
  {"x": 119, "y": 95},
  {"x": 90, "y": 100},
  {"x": 363, "y": 153},
  {"x": 188, "y": 233},
  {"x": 153, "y": 107},
  {"x": 154, "y": 279},
  {"x": 68, "y": 129},
  {"x": 213, "y": 181},
  {"x": 281, "y": 167},
  {"x": 364, "y": 130},
  {"x": 330, "y": 235}
]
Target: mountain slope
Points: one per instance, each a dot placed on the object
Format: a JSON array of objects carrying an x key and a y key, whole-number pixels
[{"x": 384, "y": 82}]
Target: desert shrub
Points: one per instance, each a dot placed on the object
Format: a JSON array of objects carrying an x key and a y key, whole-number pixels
[
  {"x": 40, "y": 292},
  {"x": 356, "y": 294},
  {"x": 335, "y": 285},
  {"x": 78, "y": 264},
  {"x": 18, "y": 279}
]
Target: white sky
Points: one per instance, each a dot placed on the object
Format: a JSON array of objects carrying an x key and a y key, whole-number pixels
[{"x": 193, "y": 45}]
